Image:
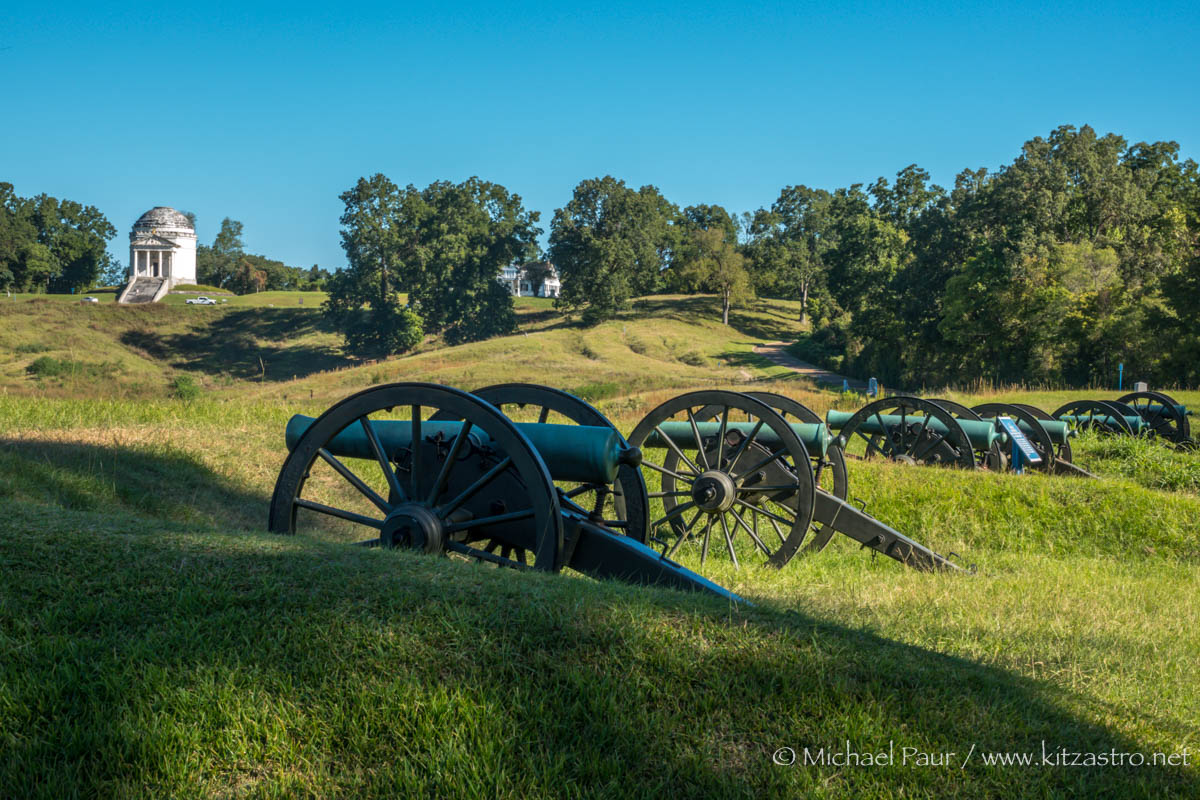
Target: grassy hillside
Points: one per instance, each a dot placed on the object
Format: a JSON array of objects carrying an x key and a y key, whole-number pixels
[
  {"x": 137, "y": 351},
  {"x": 155, "y": 641}
]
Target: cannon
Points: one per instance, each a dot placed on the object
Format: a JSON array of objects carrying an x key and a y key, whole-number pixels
[
  {"x": 1051, "y": 438},
  {"x": 460, "y": 477},
  {"x": 917, "y": 431},
  {"x": 738, "y": 479},
  {"x": 1101, "y": 416},
  {"x": 1165, "y": 418},
  {"x": 439, "y": 470}
]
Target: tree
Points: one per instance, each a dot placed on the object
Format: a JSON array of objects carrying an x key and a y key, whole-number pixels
[
  {"x": 47, "y": 244},
  {"x": 216, "y": 265},
  {"x": 444, "y": 245},
  {"x": 247, "y": 279},
  {"x": 611, "y": 243},
  {"x": 789, "y": 244},
  {"x": 713, "y": 263}
]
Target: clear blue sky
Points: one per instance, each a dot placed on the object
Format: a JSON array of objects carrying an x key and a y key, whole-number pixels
[{"x": 265, "y": 113}]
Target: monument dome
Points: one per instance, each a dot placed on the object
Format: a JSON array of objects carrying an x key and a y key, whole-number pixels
[{"x": 162, "y": 253}]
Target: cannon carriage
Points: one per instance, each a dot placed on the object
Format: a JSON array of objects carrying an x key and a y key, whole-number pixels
[
  {"x": 440, "y": 470},
  {"x": 941, "y": 432}
]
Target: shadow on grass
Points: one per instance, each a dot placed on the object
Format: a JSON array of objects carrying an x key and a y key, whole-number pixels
[
  {"x": 250, "y": 343},
  {"x": 142, "y": 659},
  {"x": 160, "y": 482}
]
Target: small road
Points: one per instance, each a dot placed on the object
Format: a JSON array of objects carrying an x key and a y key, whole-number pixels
[{"x": 776, "y": 353}]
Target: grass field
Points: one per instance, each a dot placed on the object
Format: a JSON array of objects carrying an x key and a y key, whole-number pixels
[{"x": 155, "y": 641}]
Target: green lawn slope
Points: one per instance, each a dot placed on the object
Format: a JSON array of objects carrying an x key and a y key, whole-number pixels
[{"x": 156, "y": 642}]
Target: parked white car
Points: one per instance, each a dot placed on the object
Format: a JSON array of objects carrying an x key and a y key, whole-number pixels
[
  {"x": 201, "y": 301},
  {"x": 90, "y": 300}
]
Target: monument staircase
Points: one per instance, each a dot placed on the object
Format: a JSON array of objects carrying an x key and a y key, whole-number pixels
[{"x": 143, "y": 290}]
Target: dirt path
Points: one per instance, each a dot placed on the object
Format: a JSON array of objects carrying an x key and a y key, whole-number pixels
[{"x": 776, "y": 353}]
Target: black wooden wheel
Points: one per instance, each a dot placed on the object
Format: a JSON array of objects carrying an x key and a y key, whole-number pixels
[
  {"x": 1034, "y": 432},
  {"x": 911, "y": 439},
  {"x": 482, "y": 491},
  {"x": 623, "y": 505},
  {"x": 1162, "y": 415},
  {"x": 749, "y": 467},
  {"x": 829, "y": 469},
  {"x": 1062, "y": 452},
  {"x": 1095, "y": 415},
  {"x": 994, "y": 458}
]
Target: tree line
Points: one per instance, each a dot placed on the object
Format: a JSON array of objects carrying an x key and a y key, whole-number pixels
[
  {"x": 1081, "y": 254},
  {"x": 225, "y": 264}
]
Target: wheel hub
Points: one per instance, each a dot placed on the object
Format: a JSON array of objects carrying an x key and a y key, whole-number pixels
[
  {"x": 414, "y": 526},
  {"x": 714, "y": 492}
]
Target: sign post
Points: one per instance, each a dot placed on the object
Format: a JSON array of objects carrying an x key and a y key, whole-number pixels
[
  {"x": 872, "y": 388},
  {"x": 1120, "y": 376},
  {"x": 1023, "y": 451}
]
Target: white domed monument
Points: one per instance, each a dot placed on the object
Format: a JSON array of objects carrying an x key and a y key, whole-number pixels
[{"x": 162, "y": 254}]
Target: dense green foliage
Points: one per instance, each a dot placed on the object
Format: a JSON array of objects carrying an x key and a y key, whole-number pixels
[
  {"x": 611, "y": 243},
  {"x": 226, "y": 265},
  {"x": 444, "y": 246},
  {"x": 1081, "y": 254},
  {"x": 50, "y": 245}
]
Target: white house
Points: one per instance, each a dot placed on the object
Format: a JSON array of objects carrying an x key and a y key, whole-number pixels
[{"x": 537, "y": 278}]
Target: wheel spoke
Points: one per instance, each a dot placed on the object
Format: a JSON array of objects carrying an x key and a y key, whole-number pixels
[
  {"x": 934, "y": 441},
  {"x": 354, "y": 480},
  {"x": 675, "y": 449},
  {"x": 870, "y": 440},
  {"x": 340, "y": 513},
  {"x": 451, "y": 458},
  {"x": 738, "y": 519},
  {"x": 704, "y": 547},
  {"x": 377, "y": 450},
  {"x": 685, "y": 478},
  {"x": 745, "y": 443},
  {"x": 721, "y": 436},
  {"x": 699, "y": 441},
  {"x": 756, "y": 488},
  {"x": 673, "y": 513},
  {"x": 544, "y": 415},
  {"x": 767, "y": 514},
  {"x": 493, "y": 520},
  {"x": 729, "y": 542},
  {"x": 467, "y": 493},
  {"x": 483, "y": 555},
  {"x": 669, "y": 494},
  {"x": 416, "y": 443},
  {"x": 683, "y": 537},
  {"x": 760, "y": 465}
]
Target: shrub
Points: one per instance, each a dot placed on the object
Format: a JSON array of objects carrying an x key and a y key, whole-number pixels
[
  {"x": 35, "y": 347},
  {"x": 594, "y": 392},
  {"x": 51, "y": 367},
  {"x": 694, "y": 359},
  {"x": 185, "y": 387}
]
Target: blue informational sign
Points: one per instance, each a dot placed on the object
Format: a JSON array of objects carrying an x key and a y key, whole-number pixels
[
  {"x": 872, "y": 388},
  {"x": 1023, "y": 451}
]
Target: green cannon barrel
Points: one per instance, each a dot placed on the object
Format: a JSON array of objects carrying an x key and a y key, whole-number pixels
[
  {"x": 1058, "y": 430},
  {"x": 1137, "y": 424},
  {"x": 815, "y": 436},
  {"x": 982, "y": 435},
  {"x": 578, "y": 453}
]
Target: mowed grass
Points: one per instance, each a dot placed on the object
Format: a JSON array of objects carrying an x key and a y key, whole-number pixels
[
  {"x": 155, "y": 641},
  {"x": 159, "y": 643}
]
